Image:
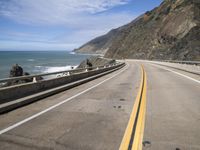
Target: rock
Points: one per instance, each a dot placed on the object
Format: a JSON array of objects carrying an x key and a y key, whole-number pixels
[
  {"x": 170, "y": 31},
  {"x": 16, "y": 71},
  {"x": 96, "y": 61},
  {"x": 88, "y": 64},
  {"x": 98, "y": 45},
  {"x": 27, "y": 80},
  {"x": 26, "y": 74}
]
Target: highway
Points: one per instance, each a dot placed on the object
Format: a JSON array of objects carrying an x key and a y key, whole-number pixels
[
  {"x": 173, "y": 110},
  {"x": 95, "y": 115}
]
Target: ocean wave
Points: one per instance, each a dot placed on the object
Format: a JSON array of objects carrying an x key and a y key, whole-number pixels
[
  {"x": 49, "y": 69},
  {"x": 39, "y": 66},
  {"x": 72, "y": 53},
  {"x": 56, "y": 69},
  {"x": 30, "y": 59}
]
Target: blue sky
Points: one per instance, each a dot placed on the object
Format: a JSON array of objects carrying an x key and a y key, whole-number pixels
[{"x": 63, "y": 24}]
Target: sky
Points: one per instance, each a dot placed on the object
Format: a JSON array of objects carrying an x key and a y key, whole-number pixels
[{"x": 63, "y": 24}]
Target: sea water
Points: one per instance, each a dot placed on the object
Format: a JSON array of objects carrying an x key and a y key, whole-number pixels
[{"x": 35, "y": 62}]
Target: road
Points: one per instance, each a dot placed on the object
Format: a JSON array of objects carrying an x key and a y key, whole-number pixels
[
  {"x": 94, "y": 116},
  {"x": 173, "y": 110}
]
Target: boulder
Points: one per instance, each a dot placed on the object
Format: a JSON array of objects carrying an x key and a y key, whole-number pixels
[{"x": 16, "y": 71}]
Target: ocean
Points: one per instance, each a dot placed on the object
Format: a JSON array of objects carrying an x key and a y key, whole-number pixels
[{"x": 35, "y": 62}]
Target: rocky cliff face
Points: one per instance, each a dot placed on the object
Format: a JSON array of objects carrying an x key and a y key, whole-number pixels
[
  {"x": 170, "y": 31},
  {"x": 98, "y": 45}
]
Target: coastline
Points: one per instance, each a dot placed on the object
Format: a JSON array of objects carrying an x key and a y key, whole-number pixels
[
  {"x": 36, "y": 62},
  {"x": 90, "y": 54}
]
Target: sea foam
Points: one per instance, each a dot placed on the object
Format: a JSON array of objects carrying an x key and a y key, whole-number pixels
[{"x": 56, "y": 69}]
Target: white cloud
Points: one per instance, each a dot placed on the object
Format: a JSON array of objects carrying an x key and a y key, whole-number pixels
[
  {"x": 53, "y": 11},
  {"x": 86, "y": 19},
  {"x": 20, "y": 45},
  {"x": 95, "y": 26}
]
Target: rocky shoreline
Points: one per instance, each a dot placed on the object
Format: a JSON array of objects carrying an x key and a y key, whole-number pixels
[
  {"x": 96, "y": 61},
  {"x": 17, "y": 70}
]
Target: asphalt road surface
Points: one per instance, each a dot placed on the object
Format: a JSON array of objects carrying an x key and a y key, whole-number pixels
[
  {"x": 173, "y": 110},
  {"x": 94, "y": 116}
]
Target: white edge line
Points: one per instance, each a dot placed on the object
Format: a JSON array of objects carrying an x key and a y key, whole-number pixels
[
  {"x": 177, "y": 73},
  {"x": 58, "y": 104}
]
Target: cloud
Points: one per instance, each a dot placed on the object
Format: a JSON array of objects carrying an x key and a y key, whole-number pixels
[
  {"x": 80, "y": 20},
  {"x": 53, "y": 11},
  {"x": 79, "y": 31},
  {"x": 20, "y": 45},
  {"x": 89, "y": 27}
]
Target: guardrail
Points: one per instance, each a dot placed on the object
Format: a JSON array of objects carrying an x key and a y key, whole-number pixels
[
  {"x": 186, "y": 66},
  {"x": 18, "y": 91},
  {"x": 181, "y": 62},
  {"x": 64, "y": 73}
]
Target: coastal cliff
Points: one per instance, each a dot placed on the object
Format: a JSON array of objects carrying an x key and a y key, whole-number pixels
[
  {"x": 96, "y": 61},
  {"x": 98, "y": 45},
  {"x": 170, "y": 31}
]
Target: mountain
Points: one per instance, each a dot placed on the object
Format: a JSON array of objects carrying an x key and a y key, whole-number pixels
[
  {"x": 98, "y": 45},
  {"x": 170, "y": 31}
]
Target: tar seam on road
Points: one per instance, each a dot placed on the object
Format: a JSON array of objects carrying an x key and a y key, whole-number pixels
[
  {"x": 58, "y": 104},
  {"x": 177, "y": 73},
  {"x": 133, "y": 135}
]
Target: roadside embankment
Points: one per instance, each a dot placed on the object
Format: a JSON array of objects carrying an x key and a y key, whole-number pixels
[{"x": 195, "y": 69}]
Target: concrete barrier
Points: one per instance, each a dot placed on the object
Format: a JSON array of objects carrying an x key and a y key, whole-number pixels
[
  {"x": 9, "y": 106},
  {"x": 11, "y": 93},
  {"x": 194, "y": 69}
]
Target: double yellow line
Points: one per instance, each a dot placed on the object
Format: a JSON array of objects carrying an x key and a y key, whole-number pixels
[{"x": 133, "y": 136}]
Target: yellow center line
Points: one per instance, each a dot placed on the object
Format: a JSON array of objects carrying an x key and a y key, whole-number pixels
[{"x": 135, "y": 129}]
